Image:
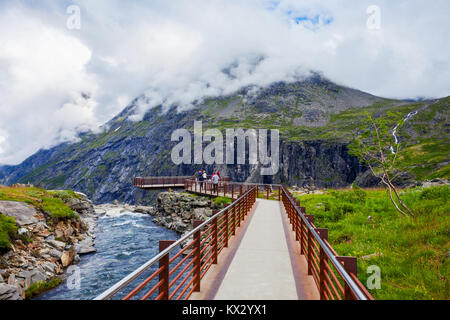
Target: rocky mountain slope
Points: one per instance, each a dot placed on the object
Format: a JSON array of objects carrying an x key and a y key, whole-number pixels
[{"x": 316, "y": 118}]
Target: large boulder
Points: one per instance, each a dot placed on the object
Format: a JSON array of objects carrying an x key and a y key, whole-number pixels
[
  {"x": 85, "y": 246},
  {"x": 81, "y": 204},
  {"x": 23, "y": 213},
  {"x": 68, "y": 256},
  {"x": 144, "y": 209},
  {"x": 56, "y": 244},
  {"x": 9, "y": 292}
]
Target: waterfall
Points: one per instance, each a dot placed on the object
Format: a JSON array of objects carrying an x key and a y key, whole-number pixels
[{"x": 394, "y": 131}]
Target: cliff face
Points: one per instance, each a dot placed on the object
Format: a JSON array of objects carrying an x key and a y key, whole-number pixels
[{"x": 315, "y": 117}]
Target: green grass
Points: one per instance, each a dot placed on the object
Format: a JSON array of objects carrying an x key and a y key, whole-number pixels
[
  {"x": 65, "y": 195},
  {"x": 49, "y": 201},
  {"x": 57, "y": 208},
  {"x": 222, "y": 201},
  {"x": 39, "y": 287},
  {"x": 413, "y": 260},
  {"x": 8, "y": 230},
  {"x": 423, "y": 159}
]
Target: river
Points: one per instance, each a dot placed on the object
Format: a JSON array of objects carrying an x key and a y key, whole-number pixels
[{"x": 124, "y": 242}]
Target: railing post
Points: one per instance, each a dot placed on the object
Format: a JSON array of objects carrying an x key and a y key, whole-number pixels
[
  {"x": 240, "y": 190},
  {"x": 233, "y": 220},
  {"x": 323, "y": 233},
  {"x": 238, "y": 216},
  {"x": 279, "y": 193},
  {"x": 244, "y": 207},
  {"x": 197, "y": 257},
  {"x": 247, "y": 206},
  {"x": 295, "y": 217},
  {"x": 164, "y": 275},
  {"x": 267, "y": 190},
  {"x": 214, "y": 239},
  {"x": 232, "y": 191},
  {"x": 302, "y": 238},
  {"x": 227, "y": 229},
  {"x": 310, "y": 218},
  {"x": 291, "y": 212},
  {"x": 351, "y": 266}
]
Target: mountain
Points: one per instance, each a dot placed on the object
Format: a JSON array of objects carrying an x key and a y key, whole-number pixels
[{"x": 315, "y": 116}]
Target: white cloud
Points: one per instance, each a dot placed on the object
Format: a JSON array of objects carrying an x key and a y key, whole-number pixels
[
  {"x": 43, "y": 75},
  {"x": 176, "y": 51}
]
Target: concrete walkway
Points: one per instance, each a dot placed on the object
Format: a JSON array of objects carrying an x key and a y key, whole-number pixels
[{"x": 261, "y": 267}]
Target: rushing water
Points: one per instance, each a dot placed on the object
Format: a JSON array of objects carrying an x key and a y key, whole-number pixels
[{"x": 124, "y": 242}]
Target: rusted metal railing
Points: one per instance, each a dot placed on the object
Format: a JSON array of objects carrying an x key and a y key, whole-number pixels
[
  {"x": 159, "y": 181},
  {"x": 231, "y": 190},
  {"x": 334, "y": 275},
  {"x": 179, "y": 271}
]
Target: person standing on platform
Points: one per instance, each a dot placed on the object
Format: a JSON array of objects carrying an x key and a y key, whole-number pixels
[
  {"x": 201, "y": 179},
  {"x": 215, "y": 181}
]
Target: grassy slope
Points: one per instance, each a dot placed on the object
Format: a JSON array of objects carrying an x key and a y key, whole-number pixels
[
  {"x": 414, "y": 258},
  {"x": 427, "y": 150},
  {"x": 48, "y": 201}
]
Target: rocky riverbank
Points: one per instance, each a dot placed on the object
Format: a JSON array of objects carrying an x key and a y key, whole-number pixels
[
  {"x": 45, "y": 247},
  {"x": 175, "y": 211}
]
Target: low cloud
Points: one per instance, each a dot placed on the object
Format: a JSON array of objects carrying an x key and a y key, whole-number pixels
[{"x": 56, "y": 82}]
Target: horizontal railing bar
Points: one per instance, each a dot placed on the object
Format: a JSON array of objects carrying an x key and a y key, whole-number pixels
[
  {"x": 175, "y": 257},
  {"x": 251, "y": 184},
  {"x": 181, "y": 284},
  {"x": 178, "y": 276},
  {"x": 152, "y": 290},
  {"x": 179, "y": 264},
  {"x": 143, "y": 284}
]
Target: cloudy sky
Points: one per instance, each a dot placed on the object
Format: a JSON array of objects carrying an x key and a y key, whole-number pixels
[{"x": 57, "y": 79}]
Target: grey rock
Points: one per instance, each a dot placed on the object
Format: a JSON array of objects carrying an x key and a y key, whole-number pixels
[
  {"x": 56, "y": 244},
  {"x": 23, "y": 213},
  {"x": 55, "y": 253},
  {"x": 38, "y": 275},
  {"x": 202, "y": 213},
  {"x": 24, "y": 274},
  {"x": 144, "y": 209},
  {"x": 23, "y": 232},
  {"x": 49, "y": 267},
  {"x": 12, "y": 279},
  {"x": 85, "y": 246},
  {"x": 9, "y": 292}
]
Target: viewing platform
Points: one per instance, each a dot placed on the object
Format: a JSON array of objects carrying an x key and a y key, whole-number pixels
[{"x": 252, "y": 249}]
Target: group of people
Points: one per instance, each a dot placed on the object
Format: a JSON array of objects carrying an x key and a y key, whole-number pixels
[{"x": 201, "y": 176}]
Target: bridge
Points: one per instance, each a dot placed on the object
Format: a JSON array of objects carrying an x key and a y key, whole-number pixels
[{"x": 262, "y": 246}]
